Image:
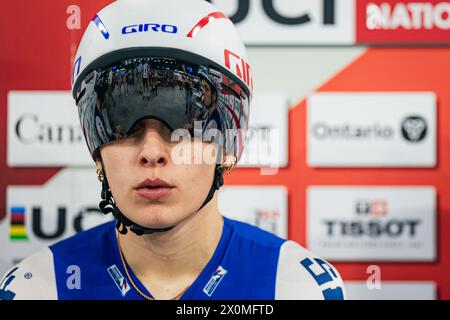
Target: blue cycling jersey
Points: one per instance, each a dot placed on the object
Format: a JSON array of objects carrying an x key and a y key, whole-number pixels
[{"x": 248, "y": 263}]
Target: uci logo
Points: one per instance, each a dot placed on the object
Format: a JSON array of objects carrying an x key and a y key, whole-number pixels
[
  {"x": 62, "y": 222},
  {"x": 272, "y": 12},
  {"x": 146, "y": 27}
]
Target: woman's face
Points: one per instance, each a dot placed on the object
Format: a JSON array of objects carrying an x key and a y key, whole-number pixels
[{"x": 147, "y": 154}]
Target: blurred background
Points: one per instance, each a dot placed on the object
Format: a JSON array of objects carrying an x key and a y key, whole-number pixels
[{"x": 349, "y": 156}]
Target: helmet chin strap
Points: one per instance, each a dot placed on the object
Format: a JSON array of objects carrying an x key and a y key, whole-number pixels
[{"x": 108, "y": 205}]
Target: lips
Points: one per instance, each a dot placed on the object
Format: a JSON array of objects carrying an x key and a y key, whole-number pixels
[{"x": 154, "y": 189}]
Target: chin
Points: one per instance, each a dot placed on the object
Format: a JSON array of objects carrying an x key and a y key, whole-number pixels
[{"x": 154, "y": 218}]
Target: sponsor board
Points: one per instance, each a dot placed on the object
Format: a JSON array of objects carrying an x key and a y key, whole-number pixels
[
  {"x": 262, "y": 206},
  {"x": 391, "y": 290},
  {"x": 372, "y": 223},
  {"x": 38, "y": 216},
  {"x": 402, "y": 21},
  {"x": 44, "y": 130},
  {"x": 286, "y": 22},
  {"x": 267, "y": 138},
  {"x": 371, "y": 130}
]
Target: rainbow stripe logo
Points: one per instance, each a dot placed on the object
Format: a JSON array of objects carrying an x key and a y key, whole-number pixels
[{"x": 17, "y": 230}]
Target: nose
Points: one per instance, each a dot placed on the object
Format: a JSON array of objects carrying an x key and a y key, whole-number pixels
[{"x": 154, "y": 147}]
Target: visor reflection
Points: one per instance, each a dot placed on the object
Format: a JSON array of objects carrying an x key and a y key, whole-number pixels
[{"x": 112, "y": 100}]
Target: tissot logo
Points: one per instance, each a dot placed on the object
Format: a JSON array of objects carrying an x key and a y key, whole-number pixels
[
  {"x": 414, "y": 128},
  {"x": 372, "y": 221},
  {"x": 375, "y": 208},
  {"x": 30, "y": 130},
  {"x": 360, "y": 223}
]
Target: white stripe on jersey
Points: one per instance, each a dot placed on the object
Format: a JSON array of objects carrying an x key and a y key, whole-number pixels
[
  {"x": 295, "y": 282},
  {"x": 34, "y": 278}
]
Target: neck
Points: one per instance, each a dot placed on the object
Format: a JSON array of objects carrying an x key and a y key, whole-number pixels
[{"x": 180, "y": 253}]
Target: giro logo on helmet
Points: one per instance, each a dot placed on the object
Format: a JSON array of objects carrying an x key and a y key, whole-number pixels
[{"x": 146, "y": 27}]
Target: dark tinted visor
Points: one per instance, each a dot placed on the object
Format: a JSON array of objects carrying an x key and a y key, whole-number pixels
[{"x": 113, "y": 99}]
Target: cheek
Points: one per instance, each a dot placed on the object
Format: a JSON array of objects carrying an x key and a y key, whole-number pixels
[
  {"x": 195, "y": 181},
  {"x": 116, "y": 165},
  {"x": 196, "y": 177}
]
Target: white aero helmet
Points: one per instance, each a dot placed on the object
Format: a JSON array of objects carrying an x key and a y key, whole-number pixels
[
  {"x": 142, "y": 59},
  {"x": 130, "y": 39}
]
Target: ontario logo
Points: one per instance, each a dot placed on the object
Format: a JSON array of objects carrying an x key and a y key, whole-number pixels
[
  {"x": 214, "y": 281},
  {"x": 17, "y": 229},
  {"x": 119, "y": 279}
]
